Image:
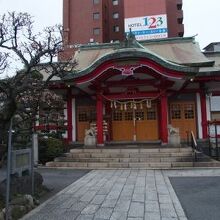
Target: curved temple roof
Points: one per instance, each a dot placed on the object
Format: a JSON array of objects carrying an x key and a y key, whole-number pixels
[{"x": 178, "y": 54}]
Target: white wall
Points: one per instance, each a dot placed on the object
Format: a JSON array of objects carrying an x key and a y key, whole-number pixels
[{"x": 215, "y": 103}]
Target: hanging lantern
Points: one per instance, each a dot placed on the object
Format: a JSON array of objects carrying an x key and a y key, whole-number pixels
[
  {"x": 115, "y": 105},
  {"x": 125, "y": 107},
  {"x": 131, "y": 105},
  {"x": 148, "y": 103}
]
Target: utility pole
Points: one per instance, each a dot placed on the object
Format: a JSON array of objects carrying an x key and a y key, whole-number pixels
[{"x": 8, "y": 170}]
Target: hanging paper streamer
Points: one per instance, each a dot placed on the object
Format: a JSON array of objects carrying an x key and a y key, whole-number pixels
[
  {"x": 111, "y": 104},
  {"x": 148, "y": 103},
  {"x": 121, "y": 107}
]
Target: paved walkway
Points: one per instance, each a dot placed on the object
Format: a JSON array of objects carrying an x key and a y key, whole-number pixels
[{"x": 118, "y": 194}]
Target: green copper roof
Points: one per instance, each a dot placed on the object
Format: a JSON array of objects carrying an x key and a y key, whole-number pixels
[
  {"x": 178, "y": 54},
  {"x": 129, "y": 54}
]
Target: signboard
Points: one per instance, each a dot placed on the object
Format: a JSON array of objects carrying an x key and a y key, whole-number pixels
[{"x": 147, "y": 27}]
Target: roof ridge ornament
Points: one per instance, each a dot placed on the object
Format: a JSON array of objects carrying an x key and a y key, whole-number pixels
[{"x": 130, "y": 41}]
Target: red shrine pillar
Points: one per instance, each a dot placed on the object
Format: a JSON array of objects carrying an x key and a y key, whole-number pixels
[
  {"x": 204, "y": 115},
  {"x": 69, "y": 116},
  {"x": 99, "y": 120},
  {"x": 163, "y": 119}
]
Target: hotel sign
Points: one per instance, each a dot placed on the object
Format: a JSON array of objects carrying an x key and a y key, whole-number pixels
[{"x": 147, "y": 27}]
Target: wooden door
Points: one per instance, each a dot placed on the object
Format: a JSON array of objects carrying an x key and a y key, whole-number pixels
[
  {"x": 142, "y": 123},
  {"x": 122, "y": 125},
  {"x": 147, "y": 124},
  {"x": 182, "y": 116}
]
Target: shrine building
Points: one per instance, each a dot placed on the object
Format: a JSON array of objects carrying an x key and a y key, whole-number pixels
[{"x": 133, "y": 91}]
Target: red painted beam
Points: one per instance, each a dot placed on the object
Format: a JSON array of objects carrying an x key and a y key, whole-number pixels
[
  {"x": 164, "y": 119},
  {"x": 69, "y": 116},
  {"x": 138, "y": 95},
  {"x": 131, "y": 82},
  {"x": 216, "y": 93},
  {"x": 99, "y": 120},
  {"x": 204, "y": 115},
  {"x": 207, "y": 78},
  {"x": 151, "y": 66}
]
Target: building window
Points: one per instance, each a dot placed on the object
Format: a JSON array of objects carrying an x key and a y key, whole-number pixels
[
  {"x": 117, "y": 116},
  {"x": 180, "y": 20},
  {"x": 139, "y": 115},
  {"x": 151, "y": 113},
  {"x": 115, "y": 2},
  {"x": 179, "y": 6},
  {"x": 115, "y": 15},
  {"x": 96, "y": 31},
  {"x": 82, "y": 116},
  {"x": 96, "y": 16},
  {"x": 189, "y": 111},
  {"x": 116, "y": 28},
  {"x": 175, "y": 111},
  {"x": 95, "y": 2},
  {"x": 128, "y": 116}
]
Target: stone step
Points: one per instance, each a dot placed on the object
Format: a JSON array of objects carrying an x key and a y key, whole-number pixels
[
  {"x": 130, "y": 150},
  {"x": 128, "y": 155},
  {"x": 160, "y": 165},
  {"x": 127, "y": 160}
]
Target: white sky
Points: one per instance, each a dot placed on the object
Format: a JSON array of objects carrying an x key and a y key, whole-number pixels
[{"x": 201, "y": 17}]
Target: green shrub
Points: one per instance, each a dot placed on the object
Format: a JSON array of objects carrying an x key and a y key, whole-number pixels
[{"x": 49, "y": 148}]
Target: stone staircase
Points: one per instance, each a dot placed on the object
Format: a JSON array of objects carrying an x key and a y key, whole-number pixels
[{"x": 149, "y": 158}]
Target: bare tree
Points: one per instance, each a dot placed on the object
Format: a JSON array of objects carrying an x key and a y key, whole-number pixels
[{"x": 37, "y": 53}]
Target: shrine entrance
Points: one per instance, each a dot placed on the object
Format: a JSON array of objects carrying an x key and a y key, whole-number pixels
[
  {"x": 183, "y": 116},
  {"x": 136, "y": 122}
]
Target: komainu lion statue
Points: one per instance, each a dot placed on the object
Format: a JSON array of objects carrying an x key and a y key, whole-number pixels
[
  {"x": 172, "y": 130},
  {"x": 90, "y": 137}
]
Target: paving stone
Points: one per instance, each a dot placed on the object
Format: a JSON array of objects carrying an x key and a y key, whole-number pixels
[
  {"x": 58, "y": 199},
  {"x": 85, "y": 217},
  {"x": 104, "y": 191},
  {"x": 113, "y": 195},
  {"x": 138, "y": 197},
  {"x": 109, "y": 203},
  {"x": 103, "y": 213},
  {"x": 122, "y": 205},
  {"x": 152, "y": 216},
  {"x": 126, "y": 192},
  {"x": 118, "y": 195},
  {"x": 119, "y": 216},
  {"x": 165, "y": 218},
  {"x": 98, "y": 199},
  {"x": 164, "y": 199},
  {"x": 136, "y": 209},
  {"x": 78, "y": 206},
  {"x": 152, "y": 206},
  {"x": 151, "y": 196},
  {"x": 167, "y": 210},
  {"x": 87, "y": 197},
  {"x": 49, "y": 208},
  {"x": 130, "y": 218},
  {"x": 90, "y": 209},
  {"x": 68, "y": 215},
  {"x": 139, "y": 190},
  {"x": 40, "y": 216}
]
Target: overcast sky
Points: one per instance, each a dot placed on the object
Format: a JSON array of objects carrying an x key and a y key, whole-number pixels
[{"x": 201, "y": 17}]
